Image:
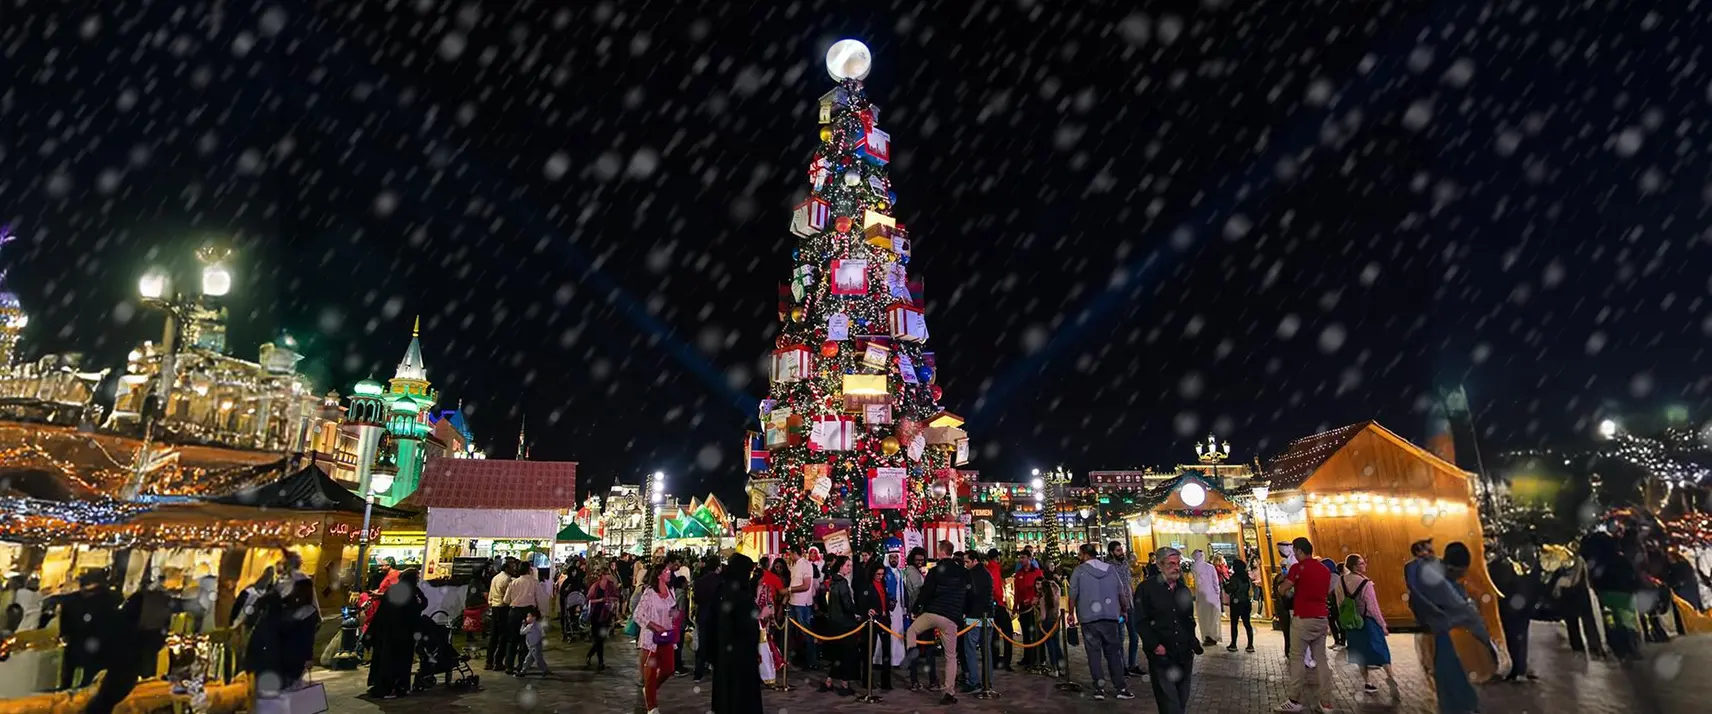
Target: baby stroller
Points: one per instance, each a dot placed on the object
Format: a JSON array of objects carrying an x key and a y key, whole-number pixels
[
  {"x": 573, "y": 611},
  {"x": 439, "y": 656}
]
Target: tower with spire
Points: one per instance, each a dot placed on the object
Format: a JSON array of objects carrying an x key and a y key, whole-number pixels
[
  {"x": 523, "y": 439},
  {"x": 12, "y": 317},
  {"x": 410, "y": 397}
]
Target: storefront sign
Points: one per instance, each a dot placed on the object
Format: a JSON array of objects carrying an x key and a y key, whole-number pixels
[
  {"x": 981, "y": 512},
  {"x": 403, "y": 540}
]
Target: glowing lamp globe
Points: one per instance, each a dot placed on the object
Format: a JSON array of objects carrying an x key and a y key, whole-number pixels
[
  {"x": 1193, "y": 495},
  {"x": 380, "y": 483},
  {"x": 848, "y": 59}
]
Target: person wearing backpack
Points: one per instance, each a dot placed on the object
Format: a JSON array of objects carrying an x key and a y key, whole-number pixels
[{"x": 1363, "y": 625}]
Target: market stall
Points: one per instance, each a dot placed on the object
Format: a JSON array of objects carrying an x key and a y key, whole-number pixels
[
  {"x": 1364, "y": 489},
  {"x": 487, "y": 508},
  {"x": 1188, "y": 513}
]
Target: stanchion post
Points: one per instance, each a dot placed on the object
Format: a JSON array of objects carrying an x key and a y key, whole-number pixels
[
  {"x": 985, "y": 651},
  {"x": 869, "y": 633},
  {"x": 782, "y": 680},
  {"x": 1064, "y": 650}
]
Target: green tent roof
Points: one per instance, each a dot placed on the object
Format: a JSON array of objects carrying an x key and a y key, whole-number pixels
[{"x": 572, "y": 534}]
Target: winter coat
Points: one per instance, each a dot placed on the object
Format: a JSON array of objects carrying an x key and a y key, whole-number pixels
[{"x": 944, "y": 590}]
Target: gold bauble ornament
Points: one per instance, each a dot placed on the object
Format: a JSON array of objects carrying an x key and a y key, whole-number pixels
[
  {"x": 825, "y": 134},
  {"x": 889, "y": 445},
  {"x": 796, "y": 314}
]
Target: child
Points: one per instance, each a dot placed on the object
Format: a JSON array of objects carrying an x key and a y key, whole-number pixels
[{"x": 535, "y": 639}]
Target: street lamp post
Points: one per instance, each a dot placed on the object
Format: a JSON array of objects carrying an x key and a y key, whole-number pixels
[
  {"x": 157, "y": 291},
  {"x": 366, "y": 418},
  {"x": 1260, "y": 493},
  {"x": 653, "y": 492}
]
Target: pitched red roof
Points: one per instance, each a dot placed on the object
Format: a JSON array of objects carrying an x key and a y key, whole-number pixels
[
  {"x": 1304, "y": 456},
  {"x": 493, "y": 483}
]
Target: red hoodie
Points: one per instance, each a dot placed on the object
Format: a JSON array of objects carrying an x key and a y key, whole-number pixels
[
  {"x": 998, "y": 583},
  {"x": 1024, "y": 585}
]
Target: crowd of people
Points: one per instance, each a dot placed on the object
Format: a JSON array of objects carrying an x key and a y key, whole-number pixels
[{"x": 862, "y": 621}]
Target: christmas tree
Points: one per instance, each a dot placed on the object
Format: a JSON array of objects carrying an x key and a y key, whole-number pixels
[{"x": 852, "y": 424}]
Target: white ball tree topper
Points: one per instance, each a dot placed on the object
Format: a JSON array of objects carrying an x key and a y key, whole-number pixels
[{"x": 848, "y": 59}]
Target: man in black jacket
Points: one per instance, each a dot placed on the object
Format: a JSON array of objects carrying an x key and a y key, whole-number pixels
[
  {"x": 978, "y": 607},
  {"x": 705, "y": 594},
  {"x": 1164, "y": 613},
  {"x": 939, "y": 606}
]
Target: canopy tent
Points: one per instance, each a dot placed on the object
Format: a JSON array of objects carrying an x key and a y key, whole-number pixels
[
  {"x": 310, "y": 489},
  {"x": 573, "y": 534}
]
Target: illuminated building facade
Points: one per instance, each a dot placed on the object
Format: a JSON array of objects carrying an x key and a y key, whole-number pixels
[{"x": 411, "y": 397}]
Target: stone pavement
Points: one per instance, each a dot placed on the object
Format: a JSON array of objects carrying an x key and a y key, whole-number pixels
[{"x": 1676, "y": 677}]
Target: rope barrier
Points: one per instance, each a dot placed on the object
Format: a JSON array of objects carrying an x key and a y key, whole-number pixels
[
  {"x": 889, "y": 631},
  {"x": 1037, "y": 643},
  {"x": 822, "y": 638}
]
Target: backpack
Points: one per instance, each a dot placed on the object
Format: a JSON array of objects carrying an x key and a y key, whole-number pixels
[{"x": 1348, "y": 616}]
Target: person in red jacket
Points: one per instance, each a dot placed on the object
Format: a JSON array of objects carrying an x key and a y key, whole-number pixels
[
  {"x": 1001, "y": 614},
  {"x": 1023, "y": 594}
]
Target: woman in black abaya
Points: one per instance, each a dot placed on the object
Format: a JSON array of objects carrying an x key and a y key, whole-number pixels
[{"x": 736, "y": 641}]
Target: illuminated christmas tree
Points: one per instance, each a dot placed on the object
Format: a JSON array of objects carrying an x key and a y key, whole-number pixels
[{"x": 852, "y": 425}]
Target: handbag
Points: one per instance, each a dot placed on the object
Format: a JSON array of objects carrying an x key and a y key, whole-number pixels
[
  {"x": 666, "y": 637},
  {"x": 1073, "y": 635},
  {"x": 631, "y": 629}
]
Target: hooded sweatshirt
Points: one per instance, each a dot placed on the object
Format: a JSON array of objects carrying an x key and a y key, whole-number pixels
[{"x": 1098, "y": 592}]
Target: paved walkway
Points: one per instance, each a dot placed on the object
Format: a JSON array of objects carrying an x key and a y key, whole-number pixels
[{"x": 1674, "y": 678}]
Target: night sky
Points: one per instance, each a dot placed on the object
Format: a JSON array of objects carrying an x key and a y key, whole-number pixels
[{"x": 1260, "y": 218}]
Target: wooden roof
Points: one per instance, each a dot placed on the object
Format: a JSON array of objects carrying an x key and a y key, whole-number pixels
[
  {"x": 1364, "y": 456},
  {"x": 1304, "y": 456}
]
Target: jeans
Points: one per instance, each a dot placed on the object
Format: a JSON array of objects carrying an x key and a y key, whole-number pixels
[
  {"x": 1102, "y": 640},
  {"x": 974, "y": 657},
  {"x": 1134, "y": 642},
  {"x": 533, "y": 659},
  {"x": 804, "y": 615},
  {"x": 1030, "y": 633},
  {"x": 1309, "y": 633},
  {"x": 1170, "y": 684},
  {"x": 1054, "y": 648},
  {"x": 512, "y": 647},
  {"x": 1240, "y": 611},
  {"x": 501, "y": 615}
]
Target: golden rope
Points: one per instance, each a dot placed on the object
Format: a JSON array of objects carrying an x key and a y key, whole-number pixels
[{"x": 810, "y": 633}]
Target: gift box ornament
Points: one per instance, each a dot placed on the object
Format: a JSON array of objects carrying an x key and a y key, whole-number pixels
[
  {"x": 875, "y": 146},
  {"x": 833, "y": 433},
  {"x": 817, "y": 481},
  {"x": 801, "y": 280},
  {"x": 962, "y": 456},
  {"x": 877, "y": 414},
  {"x": 792, "y": 364},
  {"x": 906, "y": 369},
  {"x": 886, "y": 488},
  {"x": 944, "y": 435},
  {"x": 876, "y": 355},
  {"x": 849, "y": 277},
  {"x": 897, "y": 282},
  {"x": 819, "y": 172},
  {"x": 875, "y": 223},
  {"x": 838, "y": 327},
  {"x": 832, "y": 103},
  {"x": 811, "y": 216},
  {"x": 917, "y": 447},
  {"x": 907, "y": 322},
  {"x": 860, "y": 390}
]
